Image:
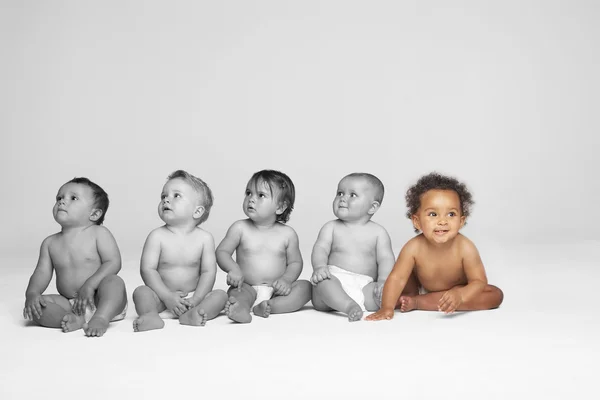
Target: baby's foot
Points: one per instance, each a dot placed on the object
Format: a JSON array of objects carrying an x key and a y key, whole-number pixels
[
  {"x": 148, "y": 322},
  {"x": 354, "y": 313},
  {"x": 72, "y": 322},
  {"x": 236, "y": 312},
  {"x": 263, "y": 309},
  {"x": 96, "y": 327},
  {"x": 407, "y": 303},
  {"x": 378, "y": 295},
  {"x": 195, "y": 317}
]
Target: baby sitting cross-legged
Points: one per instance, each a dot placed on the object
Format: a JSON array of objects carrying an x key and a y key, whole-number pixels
[
  {"x": 353, "y": 255},
  {"x": 264, "y": 276},
  {"x": 178, "y": 262}
]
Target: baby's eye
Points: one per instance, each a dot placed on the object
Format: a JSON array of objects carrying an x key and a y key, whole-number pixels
[
  {"x": 353, "y": 195},
  {"x": 163, "y": 196},
  {"x": 248, "y": 193},
  {"x": 340, "y": 194},
  {"x": 58, "y": 198},
  {"x": 262, "y": 195},
  {"x": 177, "y": 195},
  {"x": 73, "y": 197},
  {"x": 452, "y": 214},
  {"x": 432, "y": 214}
]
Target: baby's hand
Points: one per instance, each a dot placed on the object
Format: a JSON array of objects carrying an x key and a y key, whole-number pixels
[
  {"x": 235, "y": 278},
  {"x": 84, "y": 298},
  {"x": 33, "y": 306},
  {"x": 282, "y": 287},
  {"x": 320, "y": 274},
  {"x": 381, "y": 314},
  {"x": 450, "y": 301},
  {"x": 176, "y": 303}
]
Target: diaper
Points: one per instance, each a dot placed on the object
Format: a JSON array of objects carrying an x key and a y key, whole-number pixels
[
  {"x": 263, "y": 292},
  {"x": 422, "y": 290},
  {"x": 352, "y": 283},
  {"x": 89, "y": 313},
  {"x": 168, "y": 314}
]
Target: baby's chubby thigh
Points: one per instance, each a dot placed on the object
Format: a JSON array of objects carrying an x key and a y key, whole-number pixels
[
  {"x": 146, "y": 300},
  {"x": 59, "y": 300}
]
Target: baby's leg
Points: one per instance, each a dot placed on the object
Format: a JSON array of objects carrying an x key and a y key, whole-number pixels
[
  {"x": 490, "y": 297},
  {"x": 298, "y": 297},
  {"x": 330, "y": 293},
  {"x": 111, "y": 298},
  {"x": 147, "y": 305},
  {"x": 238, "y": 306},
  {"x": 57, "y": 308},
  {"x": 209, "y": 308}
]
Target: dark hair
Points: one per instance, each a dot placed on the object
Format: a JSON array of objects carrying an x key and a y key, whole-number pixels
[
  {"x": 435, "y": 181},
  {"x": 100, "y": 196},
  {"x": 373, "y": 180},
  {"x": 200, "y": 187},
  {"x": 286, "y": 193}
]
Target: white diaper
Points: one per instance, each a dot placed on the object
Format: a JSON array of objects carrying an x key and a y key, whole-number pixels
[
  {"x": 263, "y": 292},
  {"x": 352, "y": 283},
  {"x": 89, "y": 313},
  {"x": 168, "y": 314}
]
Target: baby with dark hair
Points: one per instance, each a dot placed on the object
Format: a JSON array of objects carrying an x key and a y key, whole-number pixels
[
  {"x": 264, "y": 276},
  {"x": 446, "y": 265},
  {"x": 86, "y": 259}
]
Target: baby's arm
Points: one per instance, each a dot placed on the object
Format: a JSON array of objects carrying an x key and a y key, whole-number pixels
[
  {"x": 149, "y": 271},
  {"x": 110, "y": 257},
  {"x": 283, "y": 285},
  {"x": 39, "y": 281},
  {"x": 395, "y": 282},
  {"x": 208, "y": 270},
  {"x": 320, "y": 254},
  {"x": 224, "y": 253},
  {"x": 385, "y": 256},
  {"x": 476, "y": 280}
]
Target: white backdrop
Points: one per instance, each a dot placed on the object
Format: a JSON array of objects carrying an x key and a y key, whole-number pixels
[{"x": 504, "y": 96}]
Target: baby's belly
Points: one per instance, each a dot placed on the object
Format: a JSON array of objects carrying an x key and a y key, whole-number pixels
[
  {"x": 69, "y": 281},
  {"x": 261, "y": 272},
  {"x": 440, "y": 284},
  {"x": 182, "y": 279}
]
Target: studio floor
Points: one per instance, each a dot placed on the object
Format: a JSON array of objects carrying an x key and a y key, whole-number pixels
[{"x": 543, "y": 342}]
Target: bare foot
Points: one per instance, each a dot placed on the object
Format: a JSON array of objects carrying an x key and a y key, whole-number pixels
[
  {"x": 263, "y": 309},
  {"x": 194, "y": 316},
  {"x": 407, "y": 303},
  {"x": 354, "y": 313},
  {"x": 378, "y": 295},
  {"x": 72, "y": 322},
  {"x": 148, "y": 322},
  {"x": 236, "y": 312},
  {"x": 96, "y": 327}
]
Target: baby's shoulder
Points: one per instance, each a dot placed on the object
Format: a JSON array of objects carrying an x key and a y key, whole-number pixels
[
  {"x": 98, "y": 231},
  {"x": 203, "y": 235},
  {"x": 376, "y": 228},
  {"x": 285, "y": 230},
  {"x": 464, "y": 244}
]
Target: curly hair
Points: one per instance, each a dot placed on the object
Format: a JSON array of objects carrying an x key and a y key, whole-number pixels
[
  {"x": 435, "y": 181},
  {"x": 282, "y": 185},
  {"x": 100, "y": 197},
  {"x": 200, "y": 187}
]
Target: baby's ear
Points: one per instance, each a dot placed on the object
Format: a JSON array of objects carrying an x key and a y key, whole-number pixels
[
  {"x": 463, "y": 220},
  {"x": 282, "y": 207},
  {"x": 374, "y": 207},
  {"x": 198, "y": 212},
  {"x": 416, "y": 222},
  {"x": 95, "y": 214}
]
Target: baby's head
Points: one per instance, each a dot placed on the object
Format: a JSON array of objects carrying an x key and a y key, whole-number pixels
[
  {"x": 79, "y": 202},
  {"x": 434, "y": 194},
  {"x": 184, "y": 199},
  {"x": 358, "y": 195},
  {"x": 269, "y": 193}
]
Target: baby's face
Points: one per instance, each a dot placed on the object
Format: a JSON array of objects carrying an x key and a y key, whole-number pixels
[
  {"x": 259, "y": 203},
  {"x": 439, "y": 217},
  {"x": 354, "y": 198},
  {"x": 178, "y": 201},
  {"x": 74, "y": 205}
]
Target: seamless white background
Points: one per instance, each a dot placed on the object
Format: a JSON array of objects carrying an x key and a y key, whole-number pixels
[{"x": 502, "y": 95}]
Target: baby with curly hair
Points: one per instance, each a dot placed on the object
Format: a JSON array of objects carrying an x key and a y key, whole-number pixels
[{"x": 446, "y": 264}]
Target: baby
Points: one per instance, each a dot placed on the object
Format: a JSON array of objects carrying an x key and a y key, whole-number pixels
[
  {"x": 447, "y": 264},
  {"x": 86, "y": 259},
  {"x": 178, "y": 262},
  {"x": 263, "y": 277},
  {"x": 352, "y": 255}
]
